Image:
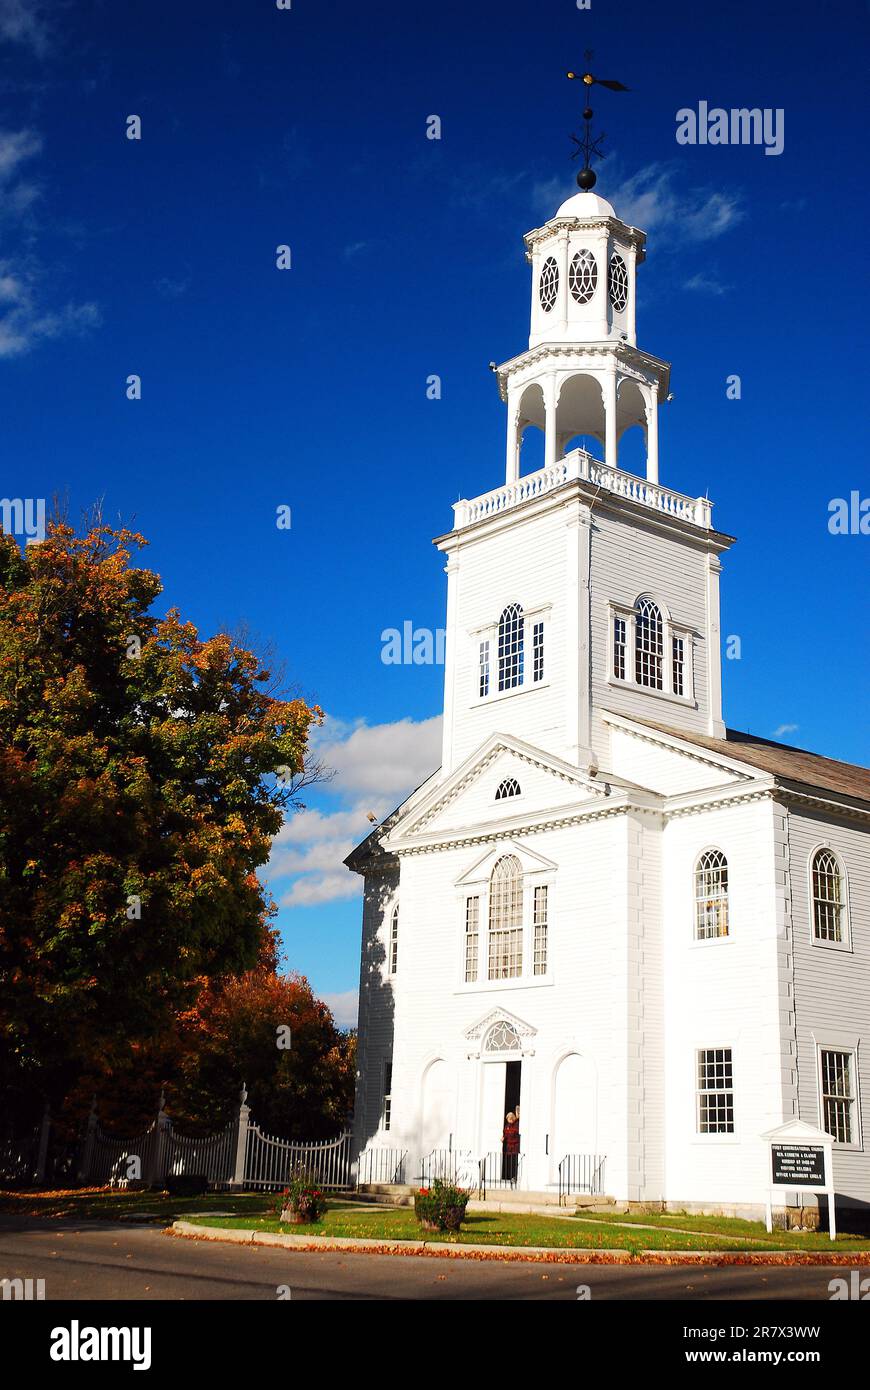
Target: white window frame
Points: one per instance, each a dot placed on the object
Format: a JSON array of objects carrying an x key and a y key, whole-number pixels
[
  {"x": 850, "y": 1049},
  {"x": 489, "y": 634},
  {"x": 532, "y": 879},
  {"x": 729, "y": 935},
  {"x": 817, "y": 941},
  {"x": 386, "y": 1112},
  {"x": 670, "y": 630},
  {"x": 722, "y": 1136},
  {"x": 393, "y": 941}
]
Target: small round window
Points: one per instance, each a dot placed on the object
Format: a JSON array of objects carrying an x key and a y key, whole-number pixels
[
  {"x": 583, "y": 276},
  {"x": 549, "y": 284},
  {"x": 618, "y": 282}
]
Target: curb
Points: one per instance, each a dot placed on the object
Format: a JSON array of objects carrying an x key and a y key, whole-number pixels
[{"x": 188, "y": 1230}]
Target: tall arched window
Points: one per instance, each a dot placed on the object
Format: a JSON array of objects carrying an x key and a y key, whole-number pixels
[
  {"x": 506, "y": 919},
  {"x": 394, "y": 940},
  {"x": 711, "y": 895},
  {"x": 828, "y": 896},
  {"x": 648, "y": 644},
  {"x": 510, "y": 647}
]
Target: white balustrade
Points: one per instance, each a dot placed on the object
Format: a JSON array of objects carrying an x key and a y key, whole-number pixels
[{"x": 578, "y": 465}]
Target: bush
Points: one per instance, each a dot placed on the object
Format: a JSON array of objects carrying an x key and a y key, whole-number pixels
[
  {"x": 187, "y": 1184},
  {"x": 442, "y": 1205}
]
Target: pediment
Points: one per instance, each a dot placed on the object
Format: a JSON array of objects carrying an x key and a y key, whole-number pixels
[
  {"x": 467, "y": 798},
  {"x": 481, "y": 870},
  {"x": 480, "y": 1029}
]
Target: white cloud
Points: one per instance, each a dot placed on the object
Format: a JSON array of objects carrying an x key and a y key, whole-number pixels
[
  {"x": 651, "y": 199},
  {"x": 345, "y": 1007},
  {"x": 376, "y": 766},
  {"x": 25, "y": 318},
  {"x": 785, "y": 729},
  {"x": 705, "y": 284},
  {"x": 23, "y": 21}
]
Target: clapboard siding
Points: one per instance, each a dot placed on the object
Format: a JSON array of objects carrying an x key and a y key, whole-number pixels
[
  {"x": 831, "y": 987},
  {"x": 376, "y": 1003},
  {"x": 630, "y": 559}
]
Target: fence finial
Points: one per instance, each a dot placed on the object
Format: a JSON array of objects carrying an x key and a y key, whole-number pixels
[{"x": 243, "y": 1094}]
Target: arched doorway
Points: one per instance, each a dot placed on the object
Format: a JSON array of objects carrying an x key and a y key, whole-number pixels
[
  {"x": 438, "y": 1107},
  {"x": 575, "y": 1109}
]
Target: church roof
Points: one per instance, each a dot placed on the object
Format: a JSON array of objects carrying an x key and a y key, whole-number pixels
[{"x": 796, "y": 765}]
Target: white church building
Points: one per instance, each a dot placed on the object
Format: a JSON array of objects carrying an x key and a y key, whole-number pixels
[{"x": 648, "y": 932}]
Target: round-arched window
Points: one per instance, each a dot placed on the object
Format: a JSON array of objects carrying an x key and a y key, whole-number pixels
[
  {"x": 618, "y": 282},
  {"x": 548, "y": 286},
  {"x": 583, "y": 276}
]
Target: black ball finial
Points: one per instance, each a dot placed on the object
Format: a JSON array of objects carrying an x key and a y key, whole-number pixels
[{"x": 587, "y": 179}]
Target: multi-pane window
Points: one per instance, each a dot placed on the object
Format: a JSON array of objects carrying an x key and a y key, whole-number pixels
[
  {"x": 619, "y": 648},
  {"x": 538, "y": 652},
  {"x": 472, "y": 938},
  {"x": 711, "y": 895},
  {"x": 827, "y": 897},
  {"x": 483, "y": 669},
  {"x": 677, "y": 665},
  {"x": 509, "y": 787},
  {"x": 648, "y": 644},
  {"x": 540, "y": 928},
  {"x": 506, "y": 919},
  {"x": 388, "y": 1094},
  {"x": 838, "y": 1095},
  {"x": 394, "y": 940},
  {"x": 510, "y": 647},
  {"x": 715, "y": 1091}
]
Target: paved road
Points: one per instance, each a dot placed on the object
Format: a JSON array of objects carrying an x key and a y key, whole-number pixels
[{"x": 81, "y": 1260}]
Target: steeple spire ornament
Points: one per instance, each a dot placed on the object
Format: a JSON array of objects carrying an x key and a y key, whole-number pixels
[{"x": 591, "y": 144}]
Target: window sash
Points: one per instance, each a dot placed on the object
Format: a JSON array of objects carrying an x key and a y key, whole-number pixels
[
  {"x": 387, "y": 1107},
  {"x": 505, "y": 952},
  {"x": 715, "y": 1090},
  {"x": 537, "y": 651},
  {"x": 483, "y": 670},
  {"x": 827, "y": 897},
  {"x": 711, "y": 897},
  {"x": 677, "y": 665},
  {"x": 510, "y": 648},
  {"x": 472, "y": 938},
  {"x": 394, "y": 941},
  {"x": 648, "y": 647},
  {"x": 619, "y": 648},
  {"x": 838, "y": 1095},
  {"x": 540, "y": 928}
]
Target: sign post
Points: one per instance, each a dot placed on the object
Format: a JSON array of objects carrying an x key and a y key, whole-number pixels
[{"x": 799, "y": 1160}]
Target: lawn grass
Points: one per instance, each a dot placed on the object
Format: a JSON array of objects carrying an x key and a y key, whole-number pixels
[
  {"x": 509, "y": 1228},
  {"x": 586, "y": 1230}
]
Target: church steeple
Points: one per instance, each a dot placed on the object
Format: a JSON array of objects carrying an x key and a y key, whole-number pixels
[{"x": 583, "y": 374}]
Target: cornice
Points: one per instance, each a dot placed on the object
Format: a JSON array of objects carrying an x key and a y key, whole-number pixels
[
  {"x": 612, "y": 225},
  {"x": 657, "y": 370}
]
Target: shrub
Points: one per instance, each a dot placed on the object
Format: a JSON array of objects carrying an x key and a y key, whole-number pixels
[
  {"x": 442, "y": 1205},
  {"x": 186, "y": 1184}
]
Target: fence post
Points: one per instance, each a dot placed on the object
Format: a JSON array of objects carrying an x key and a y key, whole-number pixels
[
  {"x": 87, "y": 1158},
  {"x": 42, "y": 1154},
  {"x": 241, "y": 1138},
  {"x": 155, "y": 1175}
]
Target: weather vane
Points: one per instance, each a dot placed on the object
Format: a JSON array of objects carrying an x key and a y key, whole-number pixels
[{"x": 591, "y": 144}]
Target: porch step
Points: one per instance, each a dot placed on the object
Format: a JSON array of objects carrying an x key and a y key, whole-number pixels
[{"x": 496, "y": 1199}]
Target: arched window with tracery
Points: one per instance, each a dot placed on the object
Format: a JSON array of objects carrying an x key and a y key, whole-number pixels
[
  {"x": 828, "y": 896},
  {"x": 510, "y": 647},
  {"x": 502, "y": 1037},
  {"x": 648, "y": 644},
  {"x": 711, "y": 895},
  {"x": 506, "y": 919},
  {"x": 394, "y": 940}
]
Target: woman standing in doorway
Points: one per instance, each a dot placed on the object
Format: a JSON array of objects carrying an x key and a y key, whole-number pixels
[{"x": 510, "y": 1143}]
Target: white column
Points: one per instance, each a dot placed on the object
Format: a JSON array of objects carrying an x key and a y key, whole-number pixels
[
  {"x": 550, "y": 429},
  {"x": 631, "y": 308},
  {"x": 578, "y": 694},
  {"x": 715, "y": 723},
  {"x": 609, "y": 393},
  {"x": 652, "y": 436},
  {"x": 452, "y": 571},
  {"x": 512, "y": 456}
]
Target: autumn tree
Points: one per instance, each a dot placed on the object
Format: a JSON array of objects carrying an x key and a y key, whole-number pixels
[{"x": 143, "y": 773}]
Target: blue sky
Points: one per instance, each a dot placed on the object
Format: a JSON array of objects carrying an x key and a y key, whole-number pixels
[{"x": 307, "y": 387}]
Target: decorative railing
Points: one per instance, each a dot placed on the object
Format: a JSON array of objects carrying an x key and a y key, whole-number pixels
[
  {"x": 381, "y": 1167},
  {"x": 450, "y": 1165},
  {"x": 582, "y": 467},
  {"x": 581, "y": 1174},
  {"x": 498, "y": 1169}
]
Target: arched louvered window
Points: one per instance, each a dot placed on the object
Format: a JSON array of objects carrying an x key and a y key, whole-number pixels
[
  {"x": 506, "y": 919},
  {"x": 510, "y": 647},
  {"x": 394, "y": 940},
  {"x": 509, "y": 787},
  {"x": 828, "y": 896},
  {"x": 648, "y": 644},
  {"x": 711, "y": 895}
]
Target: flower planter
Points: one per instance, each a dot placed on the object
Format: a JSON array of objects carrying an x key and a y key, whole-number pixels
[{"x": 290, "y": 1216}]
